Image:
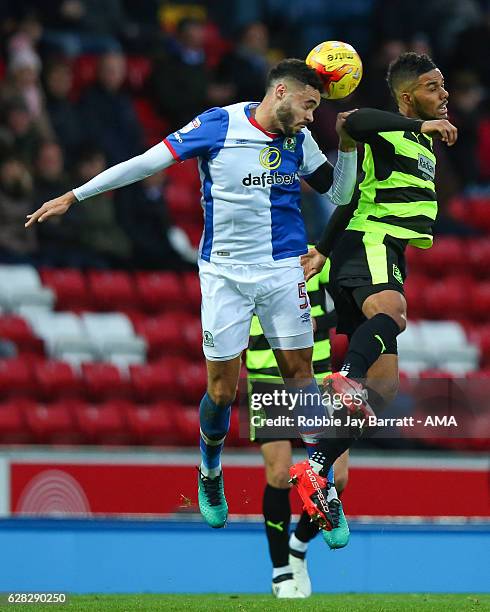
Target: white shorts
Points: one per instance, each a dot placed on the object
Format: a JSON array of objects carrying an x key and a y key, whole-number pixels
[{"x": 232, "y": 293}]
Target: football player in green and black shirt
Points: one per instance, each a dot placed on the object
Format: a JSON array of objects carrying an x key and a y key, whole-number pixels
[
  {"x": 290, "y": 577},
  {"x": 397, "y": 207}
]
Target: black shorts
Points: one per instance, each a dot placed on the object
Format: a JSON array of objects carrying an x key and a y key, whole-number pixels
[{"x": 362, "y": 264}]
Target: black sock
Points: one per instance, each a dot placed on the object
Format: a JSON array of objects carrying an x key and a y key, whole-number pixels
[
  {"x": 305, "y": 531},
  {"x": 277, "y": 516},
  {"x": 368, "y": 342},
  {"x": 330, "y": 449}
]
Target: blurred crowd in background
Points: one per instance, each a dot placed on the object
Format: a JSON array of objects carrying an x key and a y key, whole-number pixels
[{"x": 85, "y": 84}]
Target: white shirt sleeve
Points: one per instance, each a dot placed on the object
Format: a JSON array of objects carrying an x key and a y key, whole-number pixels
[
  {"x": 313, "y": 158},
  {"x": 344, "y": 178},
  {"x": 127, "y": 172}
]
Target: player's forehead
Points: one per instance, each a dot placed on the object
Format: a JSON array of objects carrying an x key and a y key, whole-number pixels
[
  {"x": 306, "y": 94},
  {"x": 432, "y": 77}
]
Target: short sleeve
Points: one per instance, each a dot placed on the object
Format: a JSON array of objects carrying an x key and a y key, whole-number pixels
[
  {"x": 313, "y": 158},
  {"x": 201, "y": 137}
]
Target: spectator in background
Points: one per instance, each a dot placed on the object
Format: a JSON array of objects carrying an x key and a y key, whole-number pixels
[
  {"x": 466, "y": 112},
  {"x": 23, "y": 84},
  {"x": 99, "y": 232},
  {"x": 20, "y": 134},
  {"x": 81, "y": 26},
  {"x": 181, "y": 84},
  {"x": 247, "y": 65},
  {"x": 471, "y": 50},
  {"x": 49, "y": 176},
  {"x": 59, "y": 242},
  {"x": 107, "y": 113},
  {"x": 142, "y": 212},
  {"x": 16, "y": 246},
  {"x": 63, "y": 114}
]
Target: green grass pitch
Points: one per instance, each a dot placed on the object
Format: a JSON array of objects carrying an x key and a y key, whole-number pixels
[{"x": 264, "y": 603}]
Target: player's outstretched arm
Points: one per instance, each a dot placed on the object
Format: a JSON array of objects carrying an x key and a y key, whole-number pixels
[
  {"x": 338, "y": 181},
  {"x": 366, "y": 122},
  {"x": 125, "y": 173}
]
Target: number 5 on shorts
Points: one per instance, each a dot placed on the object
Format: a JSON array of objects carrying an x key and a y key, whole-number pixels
[{"x": 303, "y": 295}]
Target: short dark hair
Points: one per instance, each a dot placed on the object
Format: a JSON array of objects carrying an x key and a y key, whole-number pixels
[
  {"x": 295, "y": 69},
  {"x": 407, "y": 66}
]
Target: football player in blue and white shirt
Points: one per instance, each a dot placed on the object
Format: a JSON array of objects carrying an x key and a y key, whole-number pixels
[{"x": 251, "y": 157}]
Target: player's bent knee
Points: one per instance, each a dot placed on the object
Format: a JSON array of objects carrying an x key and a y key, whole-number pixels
[{"x": 221, "y": 396}]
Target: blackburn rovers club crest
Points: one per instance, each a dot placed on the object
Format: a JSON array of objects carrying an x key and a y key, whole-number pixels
[
  {"x": 207, "y": 338},
  {"x": 289, "y": 143}
]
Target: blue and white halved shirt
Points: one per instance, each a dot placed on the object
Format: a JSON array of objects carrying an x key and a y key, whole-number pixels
[{"x": 250, "y": 185}]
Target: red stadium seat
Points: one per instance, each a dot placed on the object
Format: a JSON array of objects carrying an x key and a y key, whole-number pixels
[
  {"x": 186, "y": 173},
  {"x": 16, "y": 378},
  {"x": 478, "y": 257},
  {"x": 153, "y": 423},
  {"x": 446, "y": 257},
  {"x": 447, "y": 299},
  {"x": 52, "y": 424},
  {"x": 183, "y": 203},
  {"x": 13, "y": 426},
  {"x": 104, "y": 381},
  {"x": 164, "y": 335},
  {"x": 338, "y": 346},
  {"x": 480, "y": 213},
  {"x": 104, "y": 423},
  {"x": 479, "y": 301},
  {"x": 112, "y": 290},
  {"x": 159, "y": 291},
  {"x": 187, "y": 425},
  {"x": 192, "y": 379},
  {"x": 154, "y": 127},
  {"x": 156, "y": 382},
  {"x": 193, "y": 338},
  {"x": 18, "y": 330},
  {"x": 414, "y": 288},
  {"x": 70, "y": 287},
  {"x": 239, "y": 432},
  {"x": 192, "y": 290},
  {"x": 56, "y": 379},
  {"x": 459, "y": 209}
]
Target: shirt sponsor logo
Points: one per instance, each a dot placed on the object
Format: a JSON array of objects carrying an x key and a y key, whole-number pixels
[
  {"x": 427, "y": 167},
  {"x": 270, "y": 158},
  {"x": 265, "y": 179}
]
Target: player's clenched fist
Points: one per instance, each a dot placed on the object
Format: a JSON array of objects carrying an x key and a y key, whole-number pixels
[
  {"x": 441, "y": 128},
  {"x": 58, "y": 206},
  {"x": 346, "y": 143}
]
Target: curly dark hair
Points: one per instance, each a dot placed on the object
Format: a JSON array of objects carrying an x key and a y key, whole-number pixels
[
  {"x": 407, "y": 66},
  {"x": 295, "y": 69}
]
